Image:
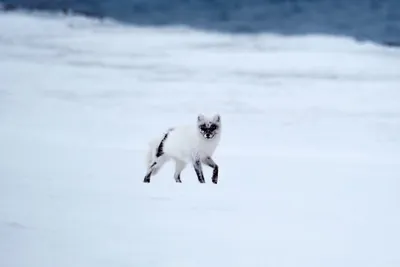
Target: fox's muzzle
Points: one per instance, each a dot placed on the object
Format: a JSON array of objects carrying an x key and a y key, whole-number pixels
[{"x": 208, "y": 135}]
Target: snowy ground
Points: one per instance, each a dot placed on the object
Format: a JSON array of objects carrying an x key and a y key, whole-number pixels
[{"x": 309, "y": 158}]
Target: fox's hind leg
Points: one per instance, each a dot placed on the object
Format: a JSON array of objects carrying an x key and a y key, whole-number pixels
[
  {"x": 179, "y": 166},
  {"x": 154, "y": 168}
]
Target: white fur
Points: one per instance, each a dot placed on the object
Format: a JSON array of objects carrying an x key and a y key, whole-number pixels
[{"x": 184, "y": 145}]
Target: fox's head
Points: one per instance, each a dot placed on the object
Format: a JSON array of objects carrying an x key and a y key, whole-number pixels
[{"x": 209, "y": 127}]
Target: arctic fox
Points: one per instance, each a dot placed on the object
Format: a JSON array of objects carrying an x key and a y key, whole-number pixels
[{"x": 190, "y": 143}]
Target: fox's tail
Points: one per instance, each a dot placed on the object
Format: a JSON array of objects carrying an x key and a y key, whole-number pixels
[
  {"x": 151, "y": 152},
  {"x": 152, "y": 148}
]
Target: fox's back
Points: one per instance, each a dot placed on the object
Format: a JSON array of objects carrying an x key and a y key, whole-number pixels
[{"x": 185, "y": 140}]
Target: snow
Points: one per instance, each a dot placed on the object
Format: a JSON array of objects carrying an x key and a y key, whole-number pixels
[{"x": 309, "y": 158}]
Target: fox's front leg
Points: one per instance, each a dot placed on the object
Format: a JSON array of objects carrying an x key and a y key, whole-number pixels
[
  {"x": 211, "y": 163},
  {"x": 198, "y": 168}
]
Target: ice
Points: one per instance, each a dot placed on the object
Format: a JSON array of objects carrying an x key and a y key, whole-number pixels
[{"x": 309, "y": 157}]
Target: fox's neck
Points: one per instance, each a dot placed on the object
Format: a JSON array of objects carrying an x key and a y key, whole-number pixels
[{"x": 208, "y": 146}]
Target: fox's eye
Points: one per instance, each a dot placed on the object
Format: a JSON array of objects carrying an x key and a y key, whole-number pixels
[{"x": 203, "y": 127}]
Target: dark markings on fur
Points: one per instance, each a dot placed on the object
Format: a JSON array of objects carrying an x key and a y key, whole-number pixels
[
  {"x": 150, "y": 172},
  {"x": 199, "y": 171},
  {"x": 214, "y": 177},
  {"x": 178, "y": 179},
  {"x": 147, "y": 178},
  {"x": 208, "y": 130},
  {"x": 148, "y": 175},
  {"x": 210, "y": 162},
  {"x": 160, "y": 149}
]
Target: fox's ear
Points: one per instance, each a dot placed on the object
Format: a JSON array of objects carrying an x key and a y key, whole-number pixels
[
  {"x": 200, "y": 118},
  {"x": 217, "y": 118}
]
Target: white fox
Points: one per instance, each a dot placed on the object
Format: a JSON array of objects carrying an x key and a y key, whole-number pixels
[{"x": 184, "y": 144}]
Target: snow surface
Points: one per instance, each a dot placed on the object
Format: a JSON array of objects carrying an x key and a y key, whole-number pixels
[{"x": 309, "y": 157}]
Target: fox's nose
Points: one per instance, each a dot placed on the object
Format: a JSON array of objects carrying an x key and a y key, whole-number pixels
[{"x": 208, "y": 135}]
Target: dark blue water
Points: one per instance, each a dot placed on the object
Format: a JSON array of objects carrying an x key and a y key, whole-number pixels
[{"x": 372, "y": 20}]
